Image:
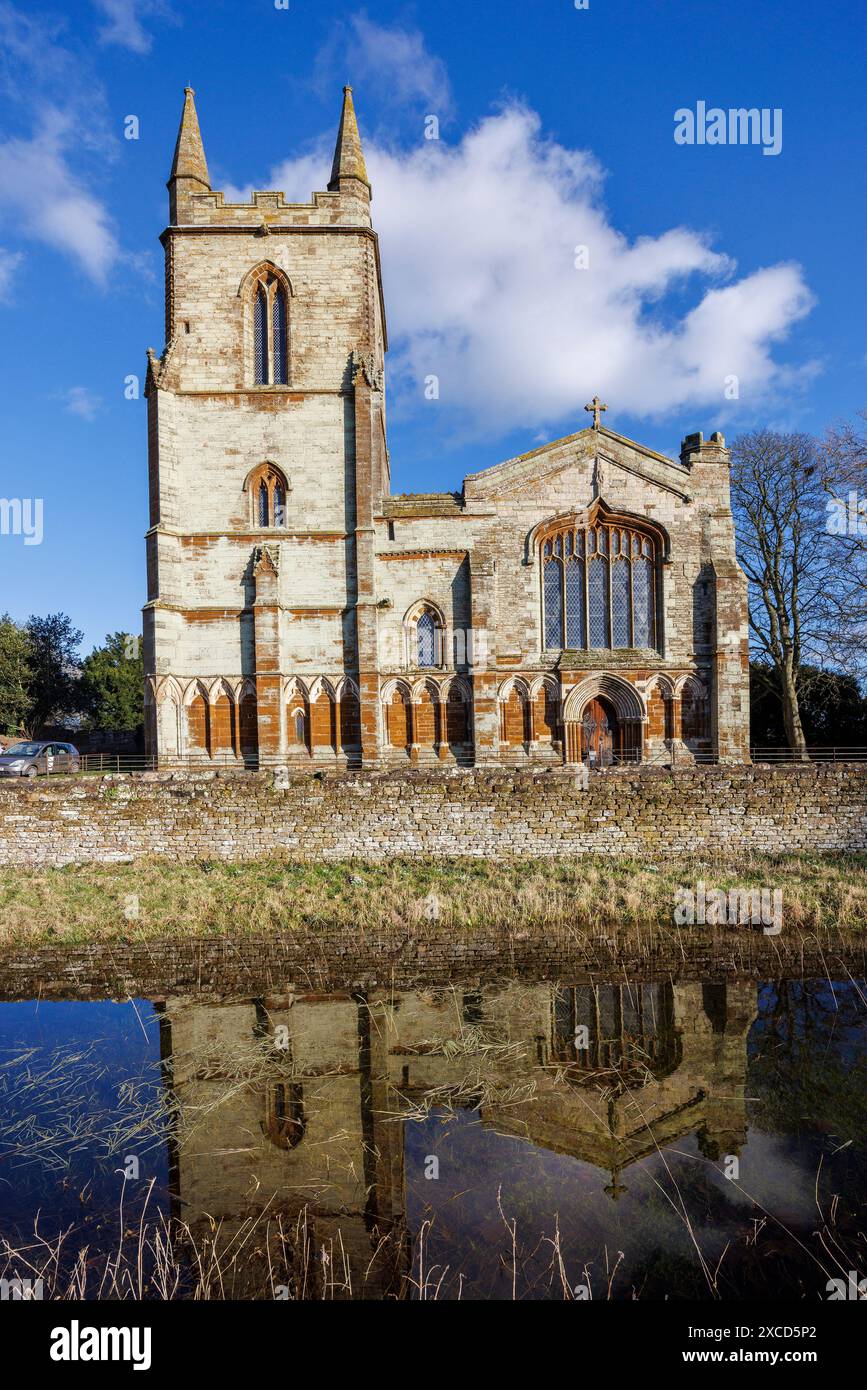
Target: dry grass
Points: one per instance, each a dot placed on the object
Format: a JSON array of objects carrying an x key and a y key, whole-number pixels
[
  {"x": 825, "y": 895},
  {"x": 282, "y": 1255}
]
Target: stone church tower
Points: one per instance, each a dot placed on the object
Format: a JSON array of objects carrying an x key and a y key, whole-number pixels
[
  {"x": 581, "y": 602},
  {"x": 266, "y": 449}
]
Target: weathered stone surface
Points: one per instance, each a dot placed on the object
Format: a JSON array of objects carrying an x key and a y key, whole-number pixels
[{"x": 473, "y": 813}]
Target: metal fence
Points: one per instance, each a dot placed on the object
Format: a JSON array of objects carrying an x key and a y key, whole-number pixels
[
  {"x": 142, "y": 762},
  {"x": 117, "y": 762},
  {"x": 819, "y": 753},
  {"x": 97, "y": 763}
]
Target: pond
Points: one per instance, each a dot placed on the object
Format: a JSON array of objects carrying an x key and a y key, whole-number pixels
[{"x": 640, "y": 1139}]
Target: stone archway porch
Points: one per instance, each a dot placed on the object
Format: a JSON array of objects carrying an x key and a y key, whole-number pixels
[{"x": 654, "y": 715}]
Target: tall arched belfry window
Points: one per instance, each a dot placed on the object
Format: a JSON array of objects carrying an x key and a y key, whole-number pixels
[
  {"x": 599, "y": 586},
  {"x": 270, "y": 330}
]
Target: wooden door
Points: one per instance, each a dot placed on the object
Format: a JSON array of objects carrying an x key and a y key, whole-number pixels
[
  {"x": 598, "y": 734},
  {"x": 248, "y": 726}
]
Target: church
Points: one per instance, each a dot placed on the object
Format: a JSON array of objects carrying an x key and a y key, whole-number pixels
[{"x": 580, "y": 603}]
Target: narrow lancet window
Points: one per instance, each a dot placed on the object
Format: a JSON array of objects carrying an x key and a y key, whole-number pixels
[
  {"x": 269, "y": 491},
  {"x": 260, "y": 337},
  {"x": 278, "y": 317},
  {"x": 426, "y": 632}
]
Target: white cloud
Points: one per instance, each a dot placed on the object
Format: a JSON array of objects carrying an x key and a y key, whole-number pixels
[
  {"x": 51, "y": 204},
  {"x": 478, "y": 248},
  {"x": 124, "y": 26},
  {"x": 296, "y": 178},
  {"x": 67, "y": 136},
  {"x": 81, "y": 401},
  {"x": 396, "y": 62},
  {"x": 391, "y": 65},
  {"x": 9, "y": 263},
  {"x": 64, "y": 122}
]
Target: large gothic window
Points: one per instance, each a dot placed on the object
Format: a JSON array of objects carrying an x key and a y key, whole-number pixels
[
  {"x": 599, "y": 587},
  {"x": 270, "y": 330}
]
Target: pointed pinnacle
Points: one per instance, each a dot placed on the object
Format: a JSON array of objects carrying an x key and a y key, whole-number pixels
[
  {"x": 348, "y": 154},
  {"x": 189, "y": 161}
]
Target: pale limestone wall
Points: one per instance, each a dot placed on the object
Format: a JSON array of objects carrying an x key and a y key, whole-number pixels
[
  {"x": 492, "y": 814},
  {"x": 210, "y": 428},
  {"x": 330, "y": 310}
]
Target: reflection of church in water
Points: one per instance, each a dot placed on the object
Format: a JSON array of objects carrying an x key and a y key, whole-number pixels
[{"x": 301, "y": 1101}]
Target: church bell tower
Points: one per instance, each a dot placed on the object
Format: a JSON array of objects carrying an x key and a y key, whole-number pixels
[{"x": 267, "y": 456}]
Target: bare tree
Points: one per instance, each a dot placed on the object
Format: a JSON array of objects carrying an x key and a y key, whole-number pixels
[
  {"x": 843, "y": 461},
  {"x": 780, "y": 509}
]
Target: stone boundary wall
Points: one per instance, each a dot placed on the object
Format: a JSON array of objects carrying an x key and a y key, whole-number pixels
[{"x": 483, "y": 814}]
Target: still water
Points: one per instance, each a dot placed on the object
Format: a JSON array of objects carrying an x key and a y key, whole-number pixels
[{"x": 645, "y": 1140}]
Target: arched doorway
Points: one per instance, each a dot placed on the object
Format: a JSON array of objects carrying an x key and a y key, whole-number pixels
[
  {"x": 603, "y": 720},
  {"x": 600, "y": 733}
]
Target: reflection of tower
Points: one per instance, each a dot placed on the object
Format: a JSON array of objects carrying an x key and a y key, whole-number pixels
[{"x": 277, "y": 1119}]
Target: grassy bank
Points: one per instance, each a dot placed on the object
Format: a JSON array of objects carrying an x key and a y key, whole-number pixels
[{"x": 823, "y": 896}]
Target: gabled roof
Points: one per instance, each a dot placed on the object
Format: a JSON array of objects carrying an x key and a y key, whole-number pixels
[
  {"x": 549, "y": 458},
  {"x": 560, "y": 453}
]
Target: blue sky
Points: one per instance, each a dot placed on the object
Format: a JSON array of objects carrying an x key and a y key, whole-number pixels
[{"x": 556, "y": 131}]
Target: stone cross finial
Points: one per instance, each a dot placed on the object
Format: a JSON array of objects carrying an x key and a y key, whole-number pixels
[{"x": 596, "y": 406}]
